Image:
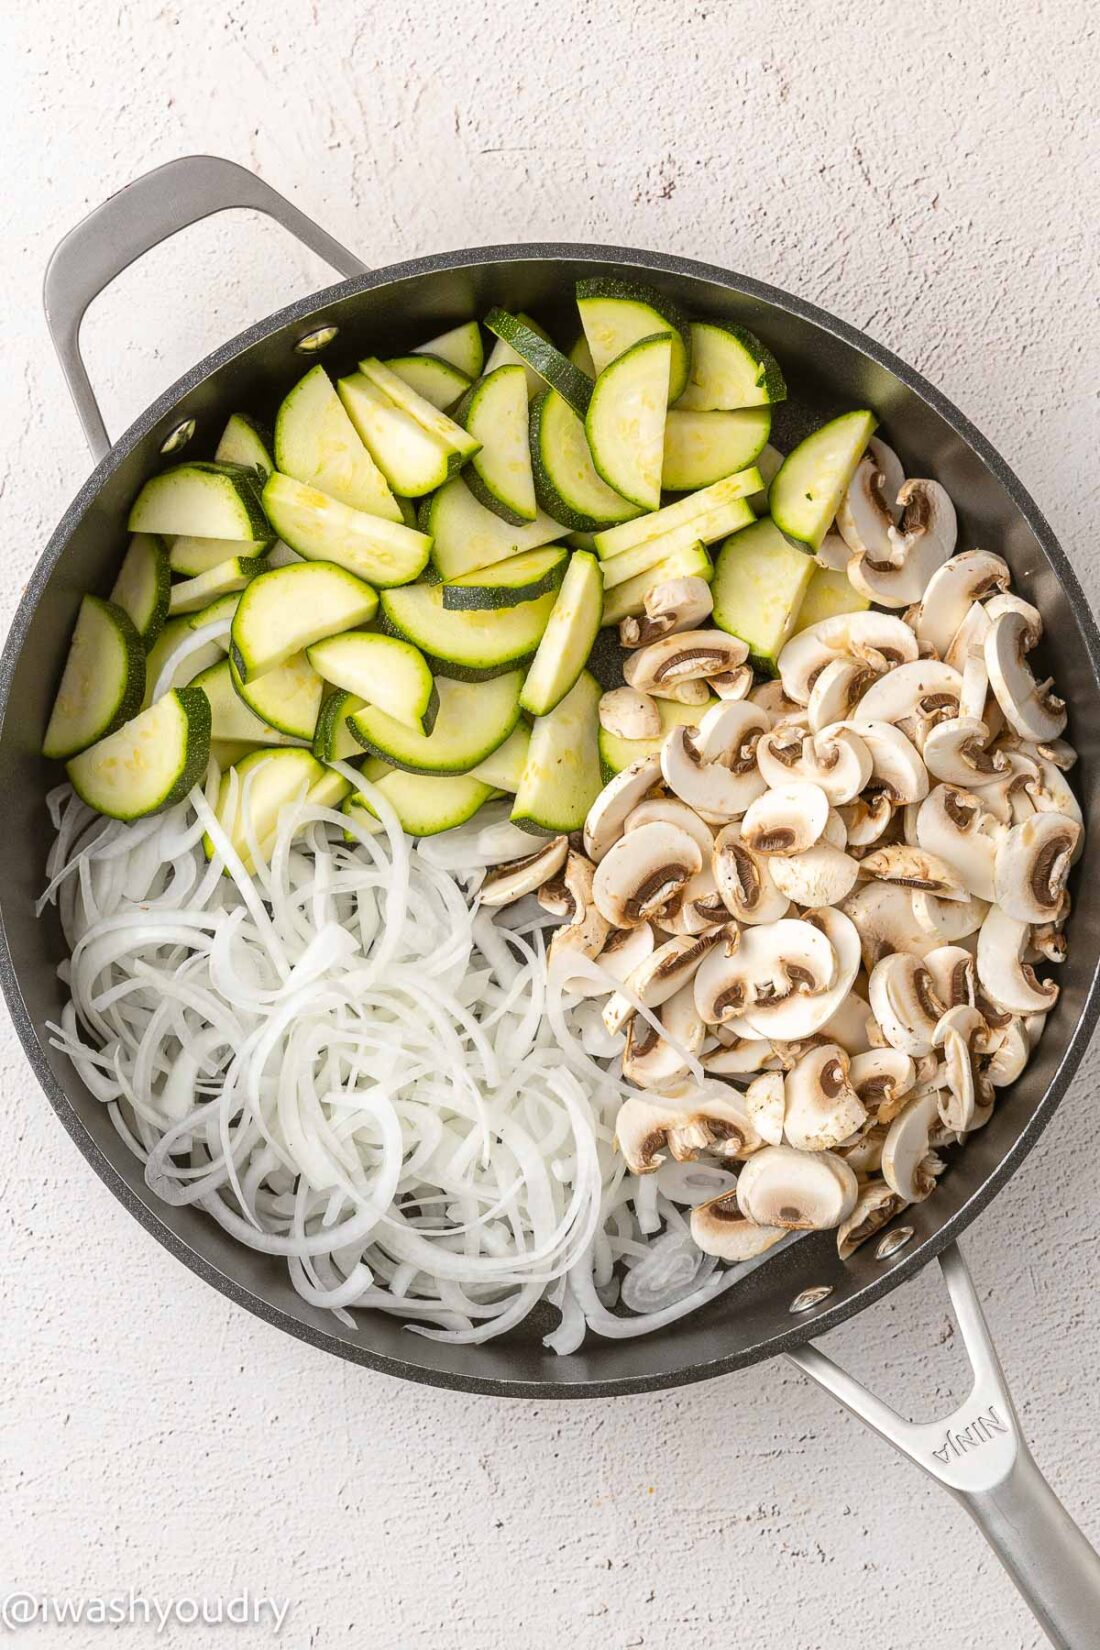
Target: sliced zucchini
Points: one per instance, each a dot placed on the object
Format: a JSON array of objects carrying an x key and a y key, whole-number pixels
[
  {"x": 465, "y": 536},
  {"x": 322, "y": 529},
  {"x": 728, "y": 518},
  {"x": 452, "y": 435},
  {"x": 102, "y": 683},
  {"x": 503, "y": 770},
  {"x": 540, "y": 354},
  {"x": 829, "y": 592},
  {"x": 230, "y": 718},
  {"x": 430, "y": 376},
  {"x": 175, "y": 631},
  {"x": 759, "y": 584},
  {"x": 730, "y": 368},
  {"x": 224, "y": 607},
  {"x": 494, "y": 412},
  {"x": 287, "y": 698},
  {"x": 567, "y": 485},
  {"x": 227, "y": 752},
  {"x": 616, "y": 314},
  {"x": 617, "y": 754},
  {"x": 701, "y": 447},
  {"x": 769, "y": 461},
  {"x": 567, "y": 641},
  {"x": 625, "y": 422},
  {"x": 316, "y": 443},
  {"x": 561, "y": 777},
  {"x": 212, "y": 501},
  {"x": 473, "y": 644},
  {"x": 144, "y": 584},
  {"x": 221, "y": 580},
  {"x": 330, "y": 791},
  {"x": 507, "y": 583},
  {"x": 412, "y": 460},
  {"x": 243, "y": 442},
  {"x": 461, "y": 346},
  {"x": 333, "y": 740},
  {"x": 581, "y": 541},
  {"x": 382, "y": 670},
  {"x": 263, "y": 784},
  {"x": 688, "y": 520},
  {"x": 285, "y": 611},
  {"x": 629, "y": 597},
  {"x": 474, "y": 719},
  {"x": 503, "y": 355},
  {"x": 281, "y": 555},
  {"x": 423, "y": 803},
  {"x": 151, "y": 762},
  {"x": 190, "y": 556},
  {"x": 813, "y": 479}
]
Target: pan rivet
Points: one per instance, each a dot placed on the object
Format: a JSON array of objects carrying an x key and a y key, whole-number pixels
[
  {"x": 811, "y": 1297},
  {"x": 179, "y": 437},
  {"x": 315, "y": 341},
  {"x": 893, "y": 1241}
]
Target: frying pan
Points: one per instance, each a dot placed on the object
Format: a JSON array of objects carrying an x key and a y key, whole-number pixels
[{"x": 977, "y": 1452}]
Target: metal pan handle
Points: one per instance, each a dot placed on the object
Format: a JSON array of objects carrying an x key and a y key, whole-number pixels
[
  {"x": 979, "y": 1454},
  {"x": 131, "y": 223}
]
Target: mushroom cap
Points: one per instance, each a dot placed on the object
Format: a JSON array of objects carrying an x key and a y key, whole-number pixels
[
  {"x": 683, "y": 656},
  {"x": 927, "y": 514},
  {"x": 963, "y": 581},
  {"x": 773, "y": 701},
  {"x": 1029, "y": 707},
  {"x": 908, "y": 692},
  {"x": 956, "y": 827},
  {"x": 947, "y": 921},
  {"x": 586, "y": 934},
  {"x": 822, "y": 1107},
  {"x": 906, "y": 1147},
  {"x": 804, "y": 1014},
  {"x": 1006, "y": 979},
  {"x": 744, "y": 880},
  {"x": 716, "y": 792},
  {"x": 957, "y": 751},
  {"x": 644, "y": 873},
  {"x": 733, "y": 684},
  {"x": 906, "y": 867},
  {"x": 858, "y": 635},
  {"x": 904, "y": 1003},
  {"x": 897, "y": 767},
  {"x": 866, "y": 819},
  {"x": 851, "y": 1024},
  {"x": 876, "y": 1206},
  {"x": 672, "y": 605},
  {"x": 885, "y": 919},
  {"x": 899, "y": 578},
  {"x": 954, "y": 975},
  {"x": 671, "y": 811},
  {"x": 881, "y": 1078},
  {"x": 719, "y": 1228},
  {"x": 798, "y": 1191},
  {"x": 629, "y": 713},
  {"x": 772, "y": 964},
  {"x": 1032, "y": 865},
  {"x": 620, "y": 796},
  {"x": 837, "y": 762},
  {"x": 508, "y": 882},
  {"x": 728, "y": 733},
  {"x": 766, "y": 1103},
  {"x": 786, "y": 820},
  {"x": 1010, "y": 1056},
  {"x": 823, "y": 875},
  {"x": 864, "y": 517},
  {"x": 837, "y": 691}
]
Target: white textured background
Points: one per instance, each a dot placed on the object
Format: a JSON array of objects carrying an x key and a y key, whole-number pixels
[{"x": 927, "y": 172}]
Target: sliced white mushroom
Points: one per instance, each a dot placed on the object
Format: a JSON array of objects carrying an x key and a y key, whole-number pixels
[
  {"x": 867, "y": 818},
  {"x": 904, "y": 1003},
  {"x": 947, "y": 921},
  {"x": 669, "y": 810},
  {"x": 1006, "y": 601},
  {"x": 798, "y": 1191},
  {"x": 620, "y": 796},
  {"x": 880, "y": 639},
  {"x": 962, "y": 581},
  {"x": 822, "y": 1107},
  {"x": 876, "y": 1206},
  {"x": 505, "y": 883},
  {"x": 927, "y": 514},
  {"x": 658, "y": 1060},
  {"x": 1030, "y": 707},
  {"x": 954, "y": 825},
  {"x": 770, "y": 965},
  {"x": 882, "y": 1077},
  {"x": 905, "y": 1151},
  {"x": 667, "y": 968},
  {"x": 805, "y": 1011},
  {"x": 1010, "y": 1056},
  {"x": 644, "y": 873},
  {"x": 716, "y": 792},
  {"x": 1007, "y": 980},
  {"x": 958, "y": 751},
  {"x": 701, "y": 909},
  {"x": 628, "y": 713},
  {"x": 733, "y": 684},
  {"x": 773, "y": 701},
  {"x": 907, "y": 867},
  {"x": 850, "y": 1025},
  {"x": 685, "y": 656},
  {"x": 885, "y": 921},
  {"x": 1051, "y": 792},
  {"x": 832, "y": 553},
  {"x": 954, "y": 976},
  {"x": 587, "y": 932},
  {"x": 837, "y": 761},
  {"x": 897, "y": 768},
  {"x": 865, "y": 517},
  {"x": 970, "y": 635},
  {"x": 822, "y": 875},
  {"x": 719, "y": 1228},
  {"x": 922, "y": 689},
  {"x": 959, "y": 1033},
  {"x": 674, "y": 605},
  {"x": 766, "y": 1103},
  {"x": 1032, "y": 865},
  {"x": 744, "y": 880},
  {"x": 728, "y": 733},
  {"x": 786, "y": 820}
]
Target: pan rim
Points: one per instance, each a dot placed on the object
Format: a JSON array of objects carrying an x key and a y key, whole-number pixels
[{"x": 812, "y": 1324}]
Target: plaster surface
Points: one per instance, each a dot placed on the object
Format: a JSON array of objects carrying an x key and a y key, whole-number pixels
[{"x": 928, "y": 173}]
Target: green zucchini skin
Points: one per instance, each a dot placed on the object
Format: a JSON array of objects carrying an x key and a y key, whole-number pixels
[
  {"x": 244, "y": 441},
  {"x": 144, "y": 585},
  {"x": 561, "y": 777},
  {"x": 74, "y": 725},
  {"x": 437, "y": 380},
  {"x": 462, "y": 346},
  {"x": 332, "y": 739},
  {"x": 548, "y": 361},
  {"x": 625, "y": 420},
  {"x": 424, "y": 803},
  {"x": 94, "y": 773},
  {"x": 466, "y": 537},
  {"x": 473, "y": 721},
  {"x": 568, "y": 486},
  {"x": 521, "y": 578},
  {"x": 760, "y": 581},
  {"x": 600, "y": 296},
  {"x": 569, "y": 636},
  {"x": 468, "y": 646},
  {"x": 494, "y": 412},
  {"x": 730, "y": 369},
  {"x": 203, "y": 500}
]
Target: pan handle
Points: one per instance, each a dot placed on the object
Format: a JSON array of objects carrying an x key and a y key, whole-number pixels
[
  {"x": 979, "y": 1454},
  {"x": 131, "y": 223}
]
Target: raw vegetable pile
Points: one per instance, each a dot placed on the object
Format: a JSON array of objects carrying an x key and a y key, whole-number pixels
[{"x": 808, "y": 854}]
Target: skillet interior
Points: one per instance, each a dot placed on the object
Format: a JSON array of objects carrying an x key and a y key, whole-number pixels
[{"x": 829, "y": 367}]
